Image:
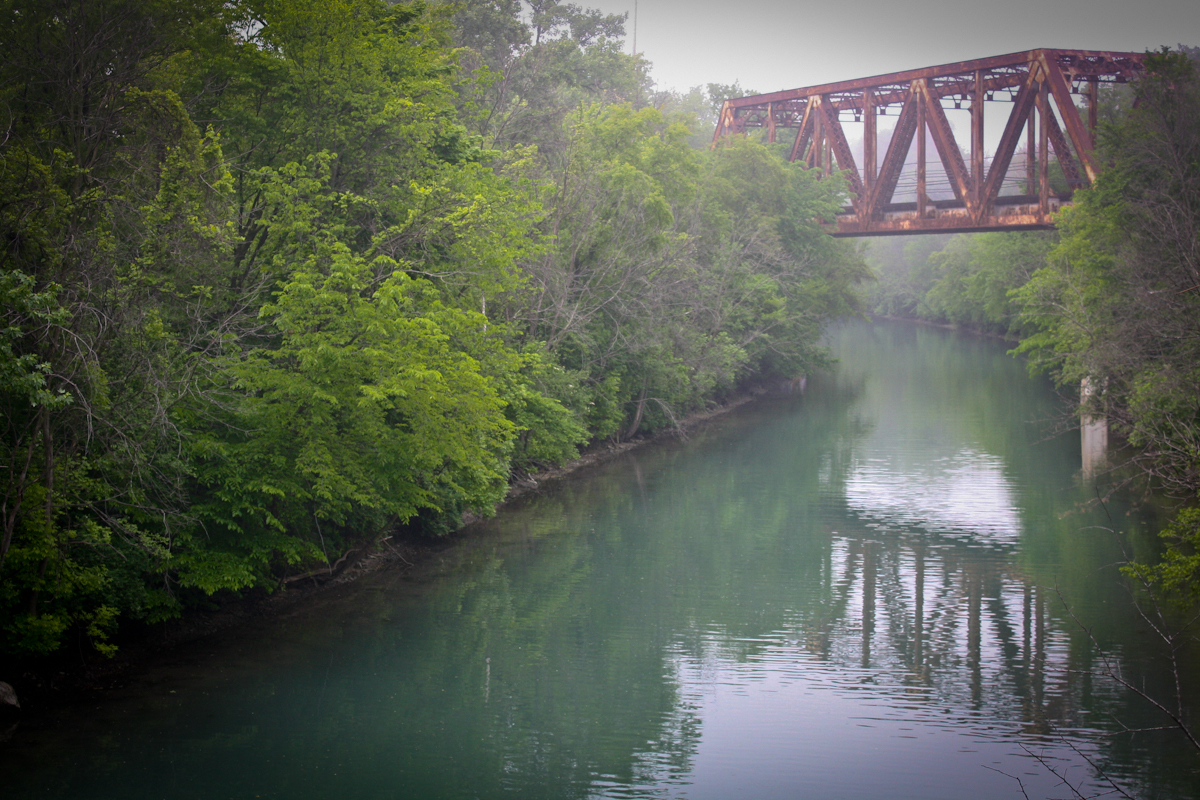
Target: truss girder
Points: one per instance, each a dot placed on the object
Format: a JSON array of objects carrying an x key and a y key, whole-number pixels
[{"x": 1040, "y": 85}]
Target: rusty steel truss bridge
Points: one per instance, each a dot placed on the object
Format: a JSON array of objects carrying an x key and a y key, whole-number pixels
[{"x": 965, "y": 190}]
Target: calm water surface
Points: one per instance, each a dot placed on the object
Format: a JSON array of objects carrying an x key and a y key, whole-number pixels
[{"x": 859, "y": 592}]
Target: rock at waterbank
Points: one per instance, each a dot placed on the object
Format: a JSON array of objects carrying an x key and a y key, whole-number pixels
[
  {"x": 8, "y": 698},
  {"x": 797, "y": 384},
  {"x": 9, "y": 708}
]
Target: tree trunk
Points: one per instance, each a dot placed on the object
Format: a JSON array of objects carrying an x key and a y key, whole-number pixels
[{"x": 637, "y": 415}]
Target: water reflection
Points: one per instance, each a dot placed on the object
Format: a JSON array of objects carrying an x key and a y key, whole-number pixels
[
  {"x": 930, "y": 659},
  {"x": 964, "y": 494},
  {"x": 858, "y": 592}
]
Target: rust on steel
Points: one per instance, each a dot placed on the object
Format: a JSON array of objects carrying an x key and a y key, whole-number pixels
[{"x": 894, "y": 190}]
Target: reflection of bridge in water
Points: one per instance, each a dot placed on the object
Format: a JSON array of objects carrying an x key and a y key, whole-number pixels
[
  {"x": 902, "y": 194},
  {"x": 937, "y": 612},
  {"x": 937, "y": 648}
]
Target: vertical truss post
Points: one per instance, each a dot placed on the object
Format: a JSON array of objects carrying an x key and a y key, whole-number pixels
[
  {"x": 817, "y": 159},
  {"x": 977, "y": 138},
  {"x": 1031, "y": 149},
  {"x": 922, "y": 196},
  {"x": 1044, "y": 147},
  {"x": 1093, "y": 106},
  {"x": 870, "y": 141}
]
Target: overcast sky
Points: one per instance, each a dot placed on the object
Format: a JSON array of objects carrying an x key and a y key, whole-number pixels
[{"x": 767, "y": 45}]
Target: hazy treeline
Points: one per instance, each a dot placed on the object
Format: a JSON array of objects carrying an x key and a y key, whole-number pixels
[
  {"x": 957, "y": 279},
  {"x": 279, "y": 277}
]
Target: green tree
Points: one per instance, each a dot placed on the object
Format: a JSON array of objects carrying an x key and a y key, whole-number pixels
[
  {"x": 372, "y": 406},
  {"x": 680, "y": 271},
  {"x": 976, "y": 274},
  {"x": 112, "y": 217},
  {"x": 523, "y": 80},
  {"x": 266, "y": 293},
  {"x": 903, "y": 275},
  {"x": 1119, "y": 303}
]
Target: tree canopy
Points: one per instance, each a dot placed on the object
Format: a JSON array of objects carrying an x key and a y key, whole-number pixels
[{"x": 281, "y": 278}]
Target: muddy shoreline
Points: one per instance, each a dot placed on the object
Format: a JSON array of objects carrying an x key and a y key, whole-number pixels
[{"x": 80, "y": 676}]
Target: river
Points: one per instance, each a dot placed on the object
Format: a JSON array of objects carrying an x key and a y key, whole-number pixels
[{"x": 894, "y": 585}]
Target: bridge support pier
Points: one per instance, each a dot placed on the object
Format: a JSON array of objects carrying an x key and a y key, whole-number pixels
[{"x": 1093, "y": 436}]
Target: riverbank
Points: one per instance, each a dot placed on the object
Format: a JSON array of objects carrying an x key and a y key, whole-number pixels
[{"x": 75, "y": 677}]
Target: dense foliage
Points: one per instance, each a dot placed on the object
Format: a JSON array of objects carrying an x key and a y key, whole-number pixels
[
  {"x": 279, "y": 277},
  {"x": 1118, "y": 303},
  {"x": 964, "y": 279}
]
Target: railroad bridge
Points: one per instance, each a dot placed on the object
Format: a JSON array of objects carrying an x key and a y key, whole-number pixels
[{"x": 960, "y": 192}]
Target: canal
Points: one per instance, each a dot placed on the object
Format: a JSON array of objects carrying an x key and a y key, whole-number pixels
[{"x": 897, "y": 584}]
